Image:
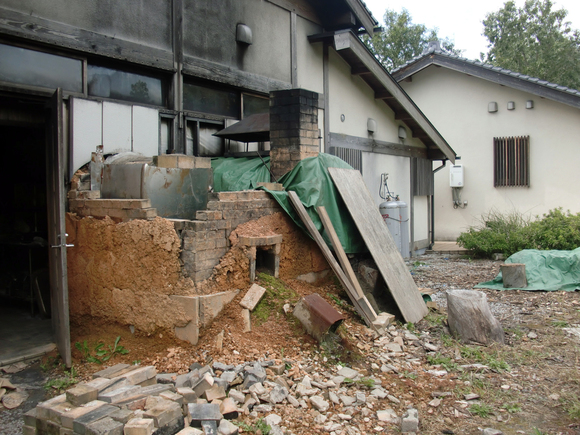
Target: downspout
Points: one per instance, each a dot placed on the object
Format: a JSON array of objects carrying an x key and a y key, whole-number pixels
[{"x": 433, "y": 205}]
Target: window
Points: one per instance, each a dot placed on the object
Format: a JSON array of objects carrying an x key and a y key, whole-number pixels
[
  {"x": 122, "y": 85},
  {"x": 511, "y": 161},
  {"x": 210, "y": 100},
  {"x": 35, "y": 68},
  {"x": 349, "y": 155},
  {"x": 200, "y": 141},
  {"x": 253, "y": 104}
]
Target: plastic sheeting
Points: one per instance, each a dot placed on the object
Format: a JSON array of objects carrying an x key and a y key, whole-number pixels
[
  {"x": 545, "y": 270},
  {"x": 311, "y": 182}
]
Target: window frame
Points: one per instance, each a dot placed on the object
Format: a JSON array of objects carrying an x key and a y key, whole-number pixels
[{"x": 511, "y": 161}]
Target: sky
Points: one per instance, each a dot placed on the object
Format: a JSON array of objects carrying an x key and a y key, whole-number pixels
[{"x": 460, "y": 20}]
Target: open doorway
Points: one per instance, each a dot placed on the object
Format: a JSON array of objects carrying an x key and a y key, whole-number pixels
[{"x": 25, "y": 324}]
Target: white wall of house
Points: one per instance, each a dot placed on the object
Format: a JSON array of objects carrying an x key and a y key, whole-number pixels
[{"x": 457, "y": 105}]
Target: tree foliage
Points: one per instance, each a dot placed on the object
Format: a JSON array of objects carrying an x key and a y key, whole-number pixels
[
  {"x": 402, "y": 40},
  {"x": 534, "y": 40}
]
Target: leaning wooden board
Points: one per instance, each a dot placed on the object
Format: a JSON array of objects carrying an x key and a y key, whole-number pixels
[{"x": 380, "y": 243}]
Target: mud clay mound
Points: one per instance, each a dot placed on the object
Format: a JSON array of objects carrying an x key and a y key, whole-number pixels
[
  {"x": 125, "y": 271},
  {"x": 299, "y": 254}
]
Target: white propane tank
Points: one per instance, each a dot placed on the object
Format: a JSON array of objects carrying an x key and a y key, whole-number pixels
[
  {"x": 404, "y": 222},
  {"x": 390, "y": 213}
]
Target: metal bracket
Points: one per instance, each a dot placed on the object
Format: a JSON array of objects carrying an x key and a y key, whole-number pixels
[{"x": 62, "y": 245}]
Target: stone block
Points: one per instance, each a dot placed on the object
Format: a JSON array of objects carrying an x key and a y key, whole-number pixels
[
  {"x": 105, "y": 426},
  {"x": 111, "y": 372},
  {"x": 174, "y": 397},
  {"x": 164, "y": 413},
  {"x": 156, "y": 389},
  {"x": 29, "y": 430},
  {"x": 46, "y": 427},
  {"x": 190, "y": 431},
  {"x": 187, "y": 394},
  {"x": 211, "y": 305},
  {"x": 148, "y": 382},
  {"x": 229, "y": 409},
  {"x": 140, "y": 426},
  {"x": 382, "y": 322},
  {"x": 81, "y": 423},
  {"x": 165, "y": 161},
  {"x": 210, "y": 427},
  {"x": 30, "y": 417},
  {"x": 166, "y": 378},
  {"x": 42, "y": 409},
  {"x": 271, "y": 186},
  {"x": 172, "y": 427},
  {"x": 215, "y": 392},
  {"x": 81, "y": 394},
  {"x": 253, "y": 297},
  {"x": 133, "y": 403},
  {"x": 99, "y": 383},
  {"x": 190, "y": 305},
  {"x": 140, "y": 375},
  {"x": 204, "y": 412},
  {"x": 67, "y": 418},
  {"x": 123, "y": 415},
  {"x": 205, "y": 383},
  {"x": 120, "y": 393}
]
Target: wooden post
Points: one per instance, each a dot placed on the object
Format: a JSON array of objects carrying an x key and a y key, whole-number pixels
[{"x": 514, "y": 275}]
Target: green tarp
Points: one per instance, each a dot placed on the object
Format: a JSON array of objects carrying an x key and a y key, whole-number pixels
[
  {"x": 311, "y": 182},
  {"x": 545, "y": 270}
]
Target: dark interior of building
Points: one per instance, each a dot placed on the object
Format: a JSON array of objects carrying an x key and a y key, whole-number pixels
[{"x": 24, "y": 280}]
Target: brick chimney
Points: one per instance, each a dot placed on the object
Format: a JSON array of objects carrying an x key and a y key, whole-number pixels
[{"x": 294, "y": 133}]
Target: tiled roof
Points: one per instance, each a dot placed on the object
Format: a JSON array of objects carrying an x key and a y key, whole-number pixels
[{"x": 435, "y": 49}]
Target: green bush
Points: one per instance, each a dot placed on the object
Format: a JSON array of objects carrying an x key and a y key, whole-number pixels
[{"x": 512, "y": 232}]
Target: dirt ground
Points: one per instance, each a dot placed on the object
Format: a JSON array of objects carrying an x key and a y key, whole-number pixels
[{"x": 530, "y": 385}]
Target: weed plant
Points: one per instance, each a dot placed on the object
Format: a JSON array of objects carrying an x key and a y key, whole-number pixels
[{"x": 512, "y": 232}]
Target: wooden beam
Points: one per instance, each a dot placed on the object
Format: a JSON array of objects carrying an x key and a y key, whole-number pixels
[
  {"x": 357, "y": 71},
  {"x": 375, "y": 146},
  {"x": 380, "y": 243},
  {"x": 403, "y": 116},
  {"x": 351, "y": 292},
  {"x": 384, "y": 95}
]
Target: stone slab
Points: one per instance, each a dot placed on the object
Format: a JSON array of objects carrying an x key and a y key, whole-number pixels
[
  {"x": 253, "y": 297},
  {"x": 111, "y": 372}
]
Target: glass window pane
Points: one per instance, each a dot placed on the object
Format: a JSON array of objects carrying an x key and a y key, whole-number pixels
[
  {"x": 165, "y": 126},
  {"x": 209, "y": 100},
  {"x": 34, "y": 68},
  {"x": 210, "y": 146},
  {"x": 253, "y": 105},
  {"x": 121, "y": 85}
]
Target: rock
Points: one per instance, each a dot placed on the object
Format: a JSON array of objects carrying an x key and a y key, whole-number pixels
[
  {"x": 14, "y": 400},
  {"x": 490, "y": 431},
  {"x": 532, "y": 335},
  {"x": 347, "y": 400},
  {"x": 273, "y": 420},
  {"x": 348, "y": 373},
  {"x": 410, "y": 421},
  {"x": 319, "y": 403},
  {"x": 227, "y": 428},
  {"x": 278, "y": 394},
  {"x": 387, "y": 415},
  {"x": 471, "y": 396},
  {"x": 237, "y": 396},
  {"x": 435, "y": 403}
]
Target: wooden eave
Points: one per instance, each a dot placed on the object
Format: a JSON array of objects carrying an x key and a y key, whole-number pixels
[
  {"x": 502, "y": 77},
  {"x": 365, "y": 65}
]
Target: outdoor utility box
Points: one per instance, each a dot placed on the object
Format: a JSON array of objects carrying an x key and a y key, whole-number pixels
[{"x": 456, "y": 176}]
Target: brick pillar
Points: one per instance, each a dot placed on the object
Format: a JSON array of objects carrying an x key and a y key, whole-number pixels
[{"x": 293, "y": 128}]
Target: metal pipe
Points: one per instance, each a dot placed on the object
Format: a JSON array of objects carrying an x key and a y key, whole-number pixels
[{"x": 433, "y": 205}]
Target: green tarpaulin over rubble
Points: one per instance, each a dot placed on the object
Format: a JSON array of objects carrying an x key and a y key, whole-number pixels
[
  {"x": 545, "y": 270},
  {"x": 311, "y": 182}
]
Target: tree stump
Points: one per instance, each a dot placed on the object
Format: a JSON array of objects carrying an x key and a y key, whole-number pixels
[
  {"x": 470, "y": 318},
  {"x": 514, "y": 275}
]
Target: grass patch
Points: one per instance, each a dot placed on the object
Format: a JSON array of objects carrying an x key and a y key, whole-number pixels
[
  {"x": 560, "y": 323},
  {"x": 481, "y": 409},
  {"x": 512, "y": 408},
  {"x": 63, "y": 383},
  {"x": 259, "y": 426},
  {"x": 100, "y": 354},
  {"x": 444, "y": 361},
  {"x": 277, "y": 294}
]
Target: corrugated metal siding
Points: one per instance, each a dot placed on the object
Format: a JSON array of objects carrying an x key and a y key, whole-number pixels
[
  {"x": 423, "y": 173},
  {"x": 350, "y": 156},
  {"x": 511, "y": 158}
]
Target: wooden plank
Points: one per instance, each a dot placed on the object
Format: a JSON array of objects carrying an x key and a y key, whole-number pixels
[
  {"x": 379, "y": 242},
  {"x": 338, "y": 250},
  {"x": 299, "y": 207}
]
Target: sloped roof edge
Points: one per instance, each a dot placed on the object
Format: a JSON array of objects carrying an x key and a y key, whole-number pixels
[
  {"x": 364, "y": 63},
  {"x": 501, "y": 76}
]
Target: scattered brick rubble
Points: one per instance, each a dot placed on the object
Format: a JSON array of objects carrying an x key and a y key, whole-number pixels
[{"x": 135, "y": 400}]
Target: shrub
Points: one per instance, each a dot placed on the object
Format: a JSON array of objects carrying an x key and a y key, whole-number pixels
[{"x": 512, "y": 232}]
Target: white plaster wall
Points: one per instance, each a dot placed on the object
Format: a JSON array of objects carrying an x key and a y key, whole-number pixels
[
  {"x": 117, "y": 131},
  {"x": 457, "y": 105},
  {"x": 310, "y": 57},
  {"x": 86, "y": 130}
]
